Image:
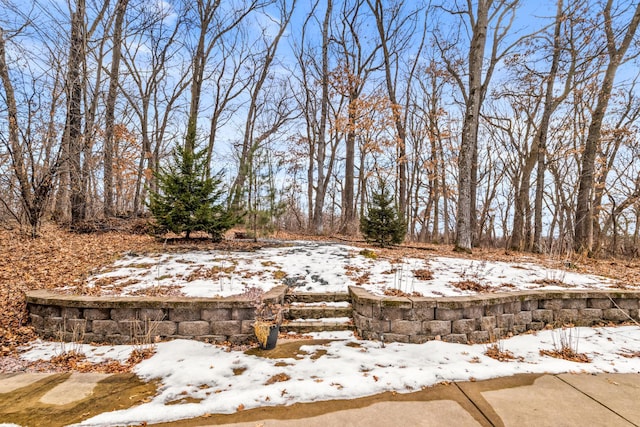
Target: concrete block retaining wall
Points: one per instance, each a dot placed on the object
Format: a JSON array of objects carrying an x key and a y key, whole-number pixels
[
  {"x": 482, "y": 318},
  {"x": 129, "y": 320}
]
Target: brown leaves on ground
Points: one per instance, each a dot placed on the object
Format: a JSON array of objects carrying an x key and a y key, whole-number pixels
[
  {"x": 278, "y": 378},
  {"x": 58, "y": 258},
  {"x": 76, "y": 361},
  {"x": 471, "y": 285},
  {"x": 495, "y": 351},
  {"x": 566, "y": 353},
  {"x": 398, "y": 293},
  {"x": 423, "y": 274}
]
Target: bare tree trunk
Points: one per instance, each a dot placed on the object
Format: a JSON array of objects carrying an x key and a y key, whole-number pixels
[
  {"x": 583, "y": 219},
  {"x": 121, "y": 8},
  {"x": 74, "y": 113},
  {"x": 318, "y": 212},
  {"x": 469, "y": 144}
]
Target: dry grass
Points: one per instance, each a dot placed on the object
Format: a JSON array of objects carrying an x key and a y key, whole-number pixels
[
  {"x": 471, "y": 285},
  {"x": 565, "y": 346},
  {"x": 496, "y": 351}
]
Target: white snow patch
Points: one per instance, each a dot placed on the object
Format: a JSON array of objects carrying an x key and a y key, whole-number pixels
[{"x": 350, "y": 368}]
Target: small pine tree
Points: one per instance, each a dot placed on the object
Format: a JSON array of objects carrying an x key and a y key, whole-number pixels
[
  {"x": 188, "y": 201},
  {"x": 382, "y": 225}
]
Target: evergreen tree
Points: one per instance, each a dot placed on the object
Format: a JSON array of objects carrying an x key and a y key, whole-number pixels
[
  {"x": 187, "y": 200},
  {"x": 382, "y": 225}
]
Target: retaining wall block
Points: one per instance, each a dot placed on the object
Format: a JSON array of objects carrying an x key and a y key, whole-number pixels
[
  {"x": 464, "y": 326},
  {"x": 405, "y": 327},
  {"x": 392, "y": 313},
  {"x": 105, "y": 327},
  {"x": 487, "y": 323},
  {"x": 381, "y": 326},
  {"x": 361, "y": 322},
  {"x": 601, "y": 303},
  {"x": 519, "y": 329},
  {"x": 229, "y": 327},
  {"x": 505, "y": 321},
  {"x": 473, "y": 312},
  {"x": 53, "y": 324},
  {"x": 494, "y": 309},
  {"x": 216, "y": 314},
  {"x": 77, "y": 326},
  {"x": 242, "y": 313},
  {"x": 567, "y": 315},
  {"x": 615, "y": 314},
  {"x": 97, "y": 313},
  {"x": 479, "y": 336},
  {"x": 246, "y": 327},
  {"x": 541, "y": 315},
  {"x": 575, "y": 303},
  {"x": 589, "y": 316},
  {"x": 512, "y": 307},
  {"x": 536, "y": 326},
  {"x": 90, "y": 337},
  {"x": 449, "y": 313},
  {"x": 455, "y": 338},
  {"x": 437, "y": 327},
  {"x": 551, "y": 304},
  {"x": 627, "y": 304},
  {"x": 155, "y": 314},
  {"x": 184, "y": 314},
  {"x": 529, "y": 305},
  {"x": 162, "y": 328},
  {"x": 194, "y": 328},
  {"x": 70, "y": 313},
  {"x": 365, "y": 309},
  {"x": 523, "y": 318},
  {"x": 397, "y": 302},
  {"x": 37, "y": 321},
  {"x": 420, "y": 314},
  {"x": 118, "y": 314},
  {"x": 45, "y": 310},
  {"x": 132, "y": 328}
]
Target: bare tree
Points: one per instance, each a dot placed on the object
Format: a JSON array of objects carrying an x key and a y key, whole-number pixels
[
  {"x": 121, "y": 7},
  {"x": 616, "y": 55},
  {"x": 488, "y": 16},
  {"x": 34, "y": 165}
]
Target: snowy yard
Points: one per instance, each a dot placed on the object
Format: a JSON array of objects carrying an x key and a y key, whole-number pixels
[
  {"x": 326, "y": 267},
  {"x": 197, "y": 378}
]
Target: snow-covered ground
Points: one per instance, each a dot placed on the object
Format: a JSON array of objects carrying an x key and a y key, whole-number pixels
[
  {"x": 198, "y": 378},
  {"x": 326, "y": 267}
]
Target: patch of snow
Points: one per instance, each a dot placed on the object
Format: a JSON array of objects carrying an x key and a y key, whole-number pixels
[
  {"x": 347, "y": 368},
  {"x": 327, "y": 267}
]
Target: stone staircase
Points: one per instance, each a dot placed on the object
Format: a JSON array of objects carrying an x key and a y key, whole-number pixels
[{"x": 312, "y": 312}]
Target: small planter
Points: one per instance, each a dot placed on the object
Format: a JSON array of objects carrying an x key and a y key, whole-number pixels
[{"x": 267, "y": 334}]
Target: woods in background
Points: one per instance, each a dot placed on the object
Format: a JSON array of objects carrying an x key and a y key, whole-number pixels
[{"x": 493, "y": 122}]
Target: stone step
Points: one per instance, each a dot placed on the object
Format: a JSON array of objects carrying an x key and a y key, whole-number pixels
[
  {"x": 301, "y": 326},
  {"x": 311, "y": 297},
  {"x": 318, "y": 311}
]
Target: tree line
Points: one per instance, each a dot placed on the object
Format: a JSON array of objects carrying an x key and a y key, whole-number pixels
[{"x": 494, "y": 122}]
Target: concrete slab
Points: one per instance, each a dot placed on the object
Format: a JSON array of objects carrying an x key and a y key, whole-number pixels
[
  {"x": 75, "y": 388},
  {"x": 550, "y": 401},
  {"x": 437, "y": 413},
  {"x": 13, "y": 382},
  {"x": 618, "y": 392}
]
